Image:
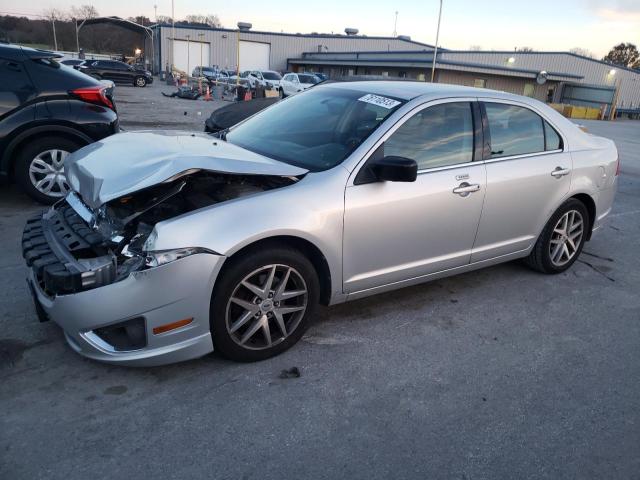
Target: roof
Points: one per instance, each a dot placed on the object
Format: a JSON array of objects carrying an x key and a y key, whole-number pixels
[
  {"x": 18, "y": 52},
  {"x": 408, "y": 90},
  {"x": 285, "y": 34},
  {"x": 121, "y": 22},
  {"x": 424, "y": 62}
]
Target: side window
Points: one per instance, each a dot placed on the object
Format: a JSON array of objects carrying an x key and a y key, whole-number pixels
[
  {"x": 437, "y": 136},
  {"x": 552, "y": 140},
  {"x": 15, "y": 86},
  {"x": 514, "y": 130}
]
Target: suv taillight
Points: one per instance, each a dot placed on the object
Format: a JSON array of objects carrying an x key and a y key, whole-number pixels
[
  {"x": 96, "y": 94},
  {"x": 618, "y": 166}
]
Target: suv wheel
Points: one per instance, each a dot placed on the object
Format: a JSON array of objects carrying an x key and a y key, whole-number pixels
[
  {"x": 40, "y": 168},
  {"x": 263, "y": 304},
  {"x": 140, "y": 82},
  {"x": 562, "y": 239}
]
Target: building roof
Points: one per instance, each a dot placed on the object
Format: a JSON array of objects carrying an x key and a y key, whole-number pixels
[{"x": 286, "y": 34}]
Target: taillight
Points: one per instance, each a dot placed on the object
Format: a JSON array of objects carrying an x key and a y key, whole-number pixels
[
  {"x": 95, "y": 94},
  {"x": 618, "y": 166}
]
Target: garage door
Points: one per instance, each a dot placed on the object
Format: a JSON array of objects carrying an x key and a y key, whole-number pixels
[
  {"x": 186, "y": 55},
  {"x": 254, "y": 55}
]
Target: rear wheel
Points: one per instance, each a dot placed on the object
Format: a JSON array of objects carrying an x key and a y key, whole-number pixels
[
  {"x": 40, "y": 168},
  {"x": 263, "y": 304},
  {"x": 562, "y": 239},
  {"x": 140, "y": 82}
]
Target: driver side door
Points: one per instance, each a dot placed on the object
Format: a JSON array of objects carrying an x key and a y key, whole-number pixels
[{"x": 395, "y": 231}]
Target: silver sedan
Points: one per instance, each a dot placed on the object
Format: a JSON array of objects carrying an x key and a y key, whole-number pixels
[{"x": 173, "y": 244}]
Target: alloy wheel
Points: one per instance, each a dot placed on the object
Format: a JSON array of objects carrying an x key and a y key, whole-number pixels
[
  {"x": 566, "y": 238},
  {"x": 46, "y": 172},
  {"x": 266, "y": 307}
]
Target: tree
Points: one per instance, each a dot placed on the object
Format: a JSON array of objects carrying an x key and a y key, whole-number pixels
[
  {"x": 475, "y": 48},
  {"x": 625, "y": 55},
  {"x": 583, "y": 52},
  {"x": 524, "y": 49},
  {"x": 164, "y": 19},
  {"x": 84, "y": 12},
  {"x": 210, "y": 20},
  {"x": 140, "y": 20}
]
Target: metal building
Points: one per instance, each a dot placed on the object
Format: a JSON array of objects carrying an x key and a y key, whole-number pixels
[
  {"x": 192, "y": 46},
  {"x": 559, "y": 77}
]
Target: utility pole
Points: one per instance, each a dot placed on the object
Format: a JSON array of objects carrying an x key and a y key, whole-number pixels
[
  {"x": 188, "y": 51},
  {"x": 435, "y": 51},
  {"x": 173, "y": 33},
  {"x": 155, "y": 9},
  {"x": 395, "y": 25}
]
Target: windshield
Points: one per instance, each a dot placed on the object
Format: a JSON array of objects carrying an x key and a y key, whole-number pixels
[
  {"x": 271, "y": 75},
  {"x": 308, "y": 79},
  {"x": 316, "y": 129}
]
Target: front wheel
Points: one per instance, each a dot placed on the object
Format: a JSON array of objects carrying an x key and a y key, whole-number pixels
[
  {"x": 140, "y": 82},
  {"x": 263, "y": 303},
  {"x": 562, "y": 239}
]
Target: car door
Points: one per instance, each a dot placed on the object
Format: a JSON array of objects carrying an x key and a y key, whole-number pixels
[
  {"x": 399, "y": 231},
  {"x": 286, "y": 83},
  {"x": 528, "y": 175}
]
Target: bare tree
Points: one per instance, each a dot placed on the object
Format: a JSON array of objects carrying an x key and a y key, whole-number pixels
[
  {"x": 524, "y": 49},
  {"x": 164, "y": 19},
  {"x": 52, "y": 14},
  {"x": 475, "y": 48},
  {"x": 84, "y": 12},
  {"x": 210, "y": 20},
  {"x": 582, "y": 52}
]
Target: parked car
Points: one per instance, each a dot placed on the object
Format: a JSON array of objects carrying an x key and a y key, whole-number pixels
[
  {"x": 262, "y": 77},
  {"x": 118, "y": 72},
  {"x": 47, "y": 111},
  {"x": 293, "y": 83},
  {"x": 208, "y": 72},
  {"x": 230, "y": 115},
  {"x": 174, "y": 243}
]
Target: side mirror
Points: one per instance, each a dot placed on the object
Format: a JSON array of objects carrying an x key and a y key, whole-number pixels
[{"x": 395, "y": 169}]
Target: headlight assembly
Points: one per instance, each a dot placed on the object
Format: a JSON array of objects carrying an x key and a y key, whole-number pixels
[{"x": 162, "y": 257}]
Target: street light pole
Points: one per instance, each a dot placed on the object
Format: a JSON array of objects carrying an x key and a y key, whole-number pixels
[
  {"x": 395, "y": 25},
  {"x": 435, "y": 51}
]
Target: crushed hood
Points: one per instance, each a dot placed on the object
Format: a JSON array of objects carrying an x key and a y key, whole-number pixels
[{"x": 127, "y": 162}]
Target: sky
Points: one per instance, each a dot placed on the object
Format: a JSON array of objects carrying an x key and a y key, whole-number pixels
[{"x": 595, "y": 25}]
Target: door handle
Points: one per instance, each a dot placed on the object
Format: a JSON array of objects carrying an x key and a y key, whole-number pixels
[
  {"x": 466, "y": 188},
  {"x": 560, "y": 172}
]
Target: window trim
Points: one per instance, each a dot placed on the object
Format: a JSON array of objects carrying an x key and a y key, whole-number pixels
[
  {"x": 487, "y": 132},
  {"x": 362, "y": 164}
]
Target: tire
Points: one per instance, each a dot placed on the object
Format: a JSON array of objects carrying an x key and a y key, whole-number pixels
[
  {"x": 255, "y": 267},
  {"x": 140, "y": 82},
  {"x": 39, "y": 153},
  {"x": 282, "y": 95},
  {"x": 543, "y": 257}
]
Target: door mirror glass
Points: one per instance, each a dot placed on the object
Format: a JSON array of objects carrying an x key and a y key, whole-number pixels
[{"x": 395, "y": 169}]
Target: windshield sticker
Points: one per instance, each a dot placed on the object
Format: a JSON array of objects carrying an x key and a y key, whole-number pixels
[{"x": 383, "y": 102}]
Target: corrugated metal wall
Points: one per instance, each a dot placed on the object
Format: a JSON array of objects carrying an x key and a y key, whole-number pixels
[
  {"x": 495, "y": 82},
  {"x": 594, "y": 73},
  {"x": 224, "y": 45}
]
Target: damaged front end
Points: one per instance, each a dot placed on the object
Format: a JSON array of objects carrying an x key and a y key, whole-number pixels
[{"x": 72, "y": 248}]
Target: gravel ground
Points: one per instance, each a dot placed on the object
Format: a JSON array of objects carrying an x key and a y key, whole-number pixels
[{"x": 499, "y": 373}]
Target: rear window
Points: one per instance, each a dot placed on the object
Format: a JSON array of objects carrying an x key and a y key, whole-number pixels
[
  {"x": 514, "y": 130},
  {"x": 308, "y": 79},
  {"x": 271, "y": 75}
]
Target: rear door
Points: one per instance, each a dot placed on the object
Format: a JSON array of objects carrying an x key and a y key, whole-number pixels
[{"x": 528, "y": 175}]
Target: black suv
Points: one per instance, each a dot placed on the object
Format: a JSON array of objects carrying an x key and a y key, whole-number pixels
[
  {"x": 47, "y": 111},
  {"x": 117, "y": 72}
]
